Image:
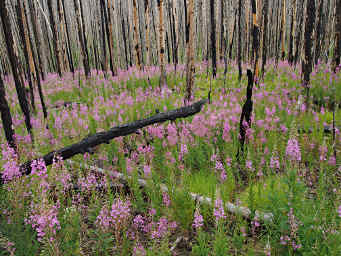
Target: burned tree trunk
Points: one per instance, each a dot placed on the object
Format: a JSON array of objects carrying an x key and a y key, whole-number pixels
[
  {"x": 6, "y": 116},
  {"x": 104, "y": 46},
  {"x": 265, "y": 34},
  {"x": 283, "y": 30},
  {"x": 38, "y": 38},
  {"x": 162, "y": 45},
  {"x": 147, "y": 26},
  {"x": 24, "y": 33},
  {"x": 245, "y": 118},
  {"x": 213, "y": 40},
  {"x": 69, "y": 48},
  {"x": 318, "y": 32},
  {"x": 137, "y": 46},
  {"x": 239, "y": 54},
  {"x": 292, "y": 32},
  {"x": 62, "y": 34},
  {"x": 113, "y": 67},
  {"x": 56, "y": 42},
  {"x": 307, "y": 61},
  {"x": 255, "y": 44},
  {"x": 15, "y": 64},
  {"x": 190, "y": 51},
  {"x": 337, "y": 50},
  {"x": 84, "y": 51},
  {"x": 88, "y": 143}
]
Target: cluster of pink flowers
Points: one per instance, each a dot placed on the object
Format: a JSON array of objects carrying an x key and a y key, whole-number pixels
[
  {"x": 339, "y": 211},
  {"x": 162, "y": 228},
  {"x": 116, "y": 217},
  {"x": 219, "y": 212},
  {"x": 293, "y": 151},
  {"x": 10, "y": 166},
  {"x": 44, "y": 220},
  {"x": 198, "y": 220}
]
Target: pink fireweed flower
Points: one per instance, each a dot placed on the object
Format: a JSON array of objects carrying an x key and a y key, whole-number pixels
[
  {"x": 147, "y": 171},
  {"x": 293, "y": 151},
  {"x": 166, "y": 200},
  {"x": 223, "y": 176},
  {"x": 219, "y": 211},
  {"x": 10, "y": 167},
  {"x": 274, "y": 162},
  {"x": 198, "y": 220},
  {"x": 172, "y": 135},
  {"x": 339, "y": 211}
]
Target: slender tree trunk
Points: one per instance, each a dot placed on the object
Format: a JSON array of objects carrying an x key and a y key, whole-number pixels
[
  {"x": 292, "y": 32},
  {"x": 62, "y": 33},
  {"x": 162, "y": 44},
  {"x": 239, "y": 53},
  {"x": 337, "y": 50},
  {"x": 38, "y": 38},
  {"x": 69, "y": 46},
  {"x": 137, "y": 46},
  {"x": 15, "y": 64},
  {"x": 213, "y": 39},
  {"x": 190, "y": 52},
  {"x": 147, "y": 25},
  {"x": 81, "y": 39},
  {"x": 307, "y": 61},
  {"x": 265, "y": 34},
  {"x": 87, "y": 72},
  {"x": 255, "y": 44},
  {"x": 56, "y": 42},
  {"x": 24, "y": 33},
  {"x": 104, "y": 46},
  {"x": 6, "y": 116},
  {"x": 283, "y": 30},
  {"x": 110, "y": 40}
]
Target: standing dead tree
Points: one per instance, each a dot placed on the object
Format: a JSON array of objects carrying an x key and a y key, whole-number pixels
[
  {"x": 213, "y": 39},
  {"x": 6, "y": 116},
  {"x": 337, "y": 50},
  {"x": 307, "y": 62},
  {"x": 255, "y": 42},
  {"x": 15, "y": 64},
  {"x": 239, "y": 54},
  {"x": 190, "y": 51},
  {"x": 163, "y": 78},
  {"x": 137, "y": 46}
]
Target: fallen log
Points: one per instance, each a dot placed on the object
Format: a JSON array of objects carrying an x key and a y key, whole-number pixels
[
  {"x": 89, "y": 142},
  {"x": 230, "y": 207}
]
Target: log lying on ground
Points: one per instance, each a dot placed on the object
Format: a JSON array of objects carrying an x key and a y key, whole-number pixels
[
  {"x": 230, "y": 207},
  {"x": 92, "y": 141}
]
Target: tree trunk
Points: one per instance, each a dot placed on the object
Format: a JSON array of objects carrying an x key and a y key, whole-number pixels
[
  {"x": 265, "y": 34},
  {"x": 283, "y": 30},
  {"x": 69, "y": 46},
  {"x": 239, "y": 53},
  {"x": 82, "y": 39},
  {"x": 307, "y": 61},
  {"x": 113, "y": 67},
  {"x": 213, "y": 39},
  {"x": 337, "y": 50},
  {"x": 162, "y": 44},
  {"x": 6, "y": 116},
  {"x": 56, "y": 42},
  {"x": 137, "y": 46},
  {"x": 147, "y": 25},
  {"x": 104, "y": 46},
  {"x": 190, "y": 52},
  {"x": 24, "y": 33},
  {"x": 255, "y": 43},
  {"x": 292, "y": 32},
  {"x": 15, "y": 64}
]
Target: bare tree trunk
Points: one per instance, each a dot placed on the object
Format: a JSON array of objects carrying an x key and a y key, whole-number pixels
[
  {"x": 6, "y": 116},
  {"x": 56, "y": 42},
  {"x": 62, "y": 33},
  {"x": 24, "y": 33},
  {"x": 81, "y": 39},
  {"x": 190, "y": 52},
  {"x": 69, "y": 46},
  {"x": 283, "y": 30},
  {"x": 319, "y": 31},
  {"x": 265, "y": 34},
  {"x": 307, "y": 61},
  {"x": 337, "y": 50},
  {"x": 137, "y": 46},
  {"x": 110, "y": 40},
  {"x": 162, "y": 44},
  {"x": 147, "y": 25},
  {"x": 104, "y": 46},
  {"x": 15, "y": 64},
  {"x": 292, "y": 32},
  {"x": 239, "y": 54},
  {"x": 38, "y": 37},
  {"x": 213, "y": 39},
  {"x": 255, "y": 44}
]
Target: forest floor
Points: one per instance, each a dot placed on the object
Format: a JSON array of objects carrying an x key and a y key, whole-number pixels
[{"x": 291, "y": 168}]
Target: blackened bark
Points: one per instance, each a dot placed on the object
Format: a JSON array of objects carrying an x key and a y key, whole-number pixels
[
  {"x": 213, "y": 40},
  {"x": 88, "y": 143},
  {"x": 255, "y": 43},
  {"x": 15, "y": 64},
  {"x": 6, "y": 116},
  {"x": 239, "y": 54},
  {"x": 319, "y": 31},
  {"x": 337, "y": 50},
  {"x": 265, "y": 34}
]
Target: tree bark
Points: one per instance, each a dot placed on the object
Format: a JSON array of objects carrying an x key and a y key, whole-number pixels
[
  {"x": 69, "y": 46},
  {"x": 337, "y": 50},
  {"x": 265, "y": 34},
  {"x": 56, "y": 42},
  {"x": 239, "y": 53},
  {"x": 6, "y": 116},
  {"x": 137, "y": 46},
  {"x": 190, "y": 52},
  {"x": 15, "y": 64},
  {"x": 162, "y": 45},
  {"x": 213, "y": 40},
  {"x": 113, "y": 67}
]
